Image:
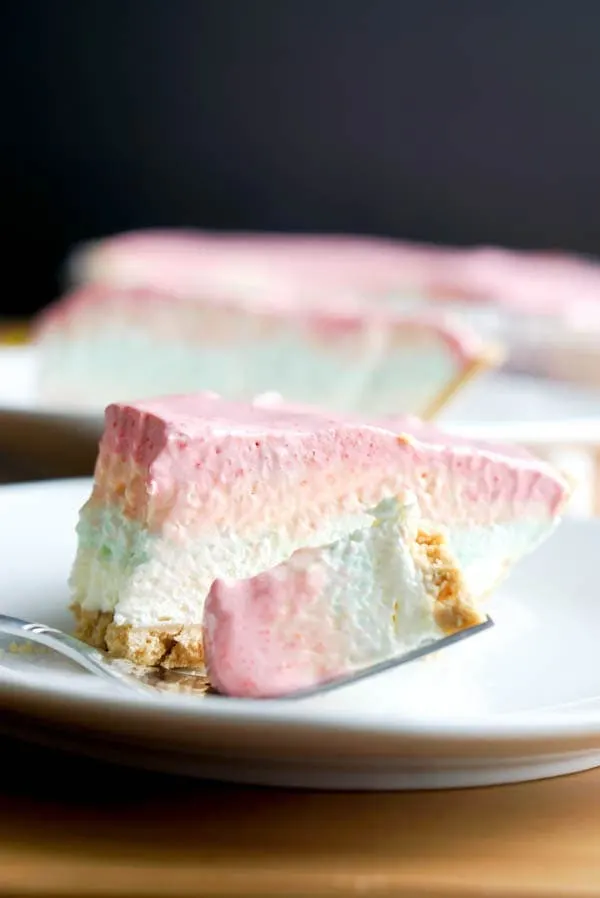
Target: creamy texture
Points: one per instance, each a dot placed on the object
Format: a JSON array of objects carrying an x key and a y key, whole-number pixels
[
  {"x": 100, "y": 343},
  {"x": 189, "y": 262},
  {"x": 147, "y": 579},
  {"x": 163, "y": 461},
  {"x": 190, "y": 489},
  {"x": 330, "y": 611},
  {"x": 543, "y": 306},
  {"x": 95, "y": 369},
  {"x": 287, "y": 268}
]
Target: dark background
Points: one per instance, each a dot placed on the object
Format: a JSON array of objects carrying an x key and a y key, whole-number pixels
[{"x": 436, "y": 120}]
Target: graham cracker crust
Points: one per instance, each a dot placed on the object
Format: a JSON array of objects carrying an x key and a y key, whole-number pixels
[
  {"x": 452, "y": 613},
  {"x": 492, "y": 359},
  {"x": 176, "y": 646}
]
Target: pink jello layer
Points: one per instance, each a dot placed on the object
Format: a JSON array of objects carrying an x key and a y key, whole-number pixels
[
  {"x": 192, "y": 463},
  {"x": 188, "y": 261},
  {"x": 167, "y": 315},
  {"x": 536, "y": 282},
  {"x": 266, "y": 636}
]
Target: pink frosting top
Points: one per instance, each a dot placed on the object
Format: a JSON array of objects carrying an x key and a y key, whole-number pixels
[
  {"x": 534, "y": 282},
  {"x": 186, "y": 464},
  {"x": 184, "y": 262},
  {"x": 79, "y": 308}
]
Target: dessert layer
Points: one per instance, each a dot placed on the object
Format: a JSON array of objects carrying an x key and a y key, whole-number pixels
[
  {"x": 418, "y": 376},
  {"x": 145, "y": 580},
  {"x": 543, "y": 307},
  {"x": 186, "y": 262},
  {"x": 286, "y": 267},
  {"x": 174, "y": 646},
  {"x": 197, "y": 462},
  {"x": 326, "y": 612},
  {"x": 98, "y": 344}
]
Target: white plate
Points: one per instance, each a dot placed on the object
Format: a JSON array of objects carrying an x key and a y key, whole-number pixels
[
  {"x": 19, "y": 394},
  {"x": 514, "y": 703}
]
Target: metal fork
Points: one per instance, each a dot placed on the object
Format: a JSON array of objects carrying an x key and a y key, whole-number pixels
[
  {"x": 157, "y": 680},
  {"x": 121, "y": 673}
]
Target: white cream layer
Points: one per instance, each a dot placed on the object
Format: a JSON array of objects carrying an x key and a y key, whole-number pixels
[
  {"x": 146, "y": 579},
  {"x": 376, "y": 596},
  {"x": 330, "y": 611},
  {"x": 367, "y": 375}
]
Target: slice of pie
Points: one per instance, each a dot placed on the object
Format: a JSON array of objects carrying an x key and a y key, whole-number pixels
[
  {"x": 354, "y": 357},
  {"x": 543, "y": 306},
  {"x": 322, "y": 541}
]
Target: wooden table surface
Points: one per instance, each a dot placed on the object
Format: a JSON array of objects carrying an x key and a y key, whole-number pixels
[
  {"x": 13, "y": 332},
  {"x": 73, "y": 827}
]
